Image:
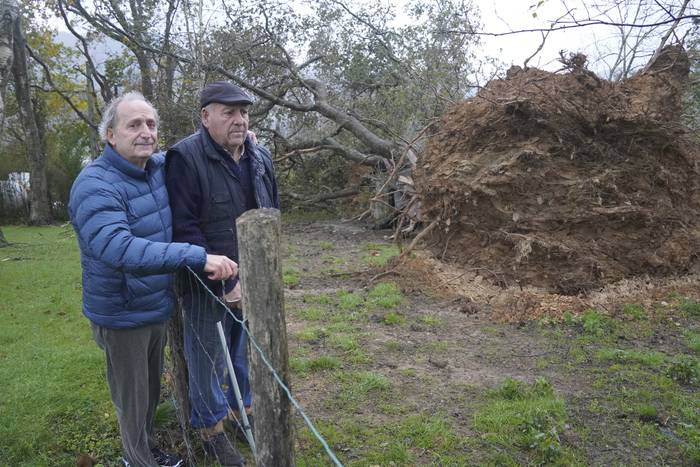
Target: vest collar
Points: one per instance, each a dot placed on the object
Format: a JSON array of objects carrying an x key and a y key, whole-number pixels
[{"x": 214, "y": 151}]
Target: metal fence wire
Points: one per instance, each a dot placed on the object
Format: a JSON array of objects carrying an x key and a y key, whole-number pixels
[{"x": 208, "y": 325}]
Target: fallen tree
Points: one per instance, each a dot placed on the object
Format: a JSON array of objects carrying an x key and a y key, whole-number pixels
[{"x": 565, "y": 181}]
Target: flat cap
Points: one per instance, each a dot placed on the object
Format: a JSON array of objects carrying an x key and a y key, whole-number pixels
[{"x": 223, "y": 92}]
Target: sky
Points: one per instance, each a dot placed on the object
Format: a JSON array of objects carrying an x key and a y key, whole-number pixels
[
  {"x": 597, "y": 42},
  {"x": 498, "y": 16},
  {"x": 506, "y": 15}
]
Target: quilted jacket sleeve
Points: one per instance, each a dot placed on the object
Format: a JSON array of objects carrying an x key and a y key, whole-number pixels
[{"x": 99, "y": 216}]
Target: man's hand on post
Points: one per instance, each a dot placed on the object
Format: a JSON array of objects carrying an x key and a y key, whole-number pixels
[{"x": 220, "y": 267}]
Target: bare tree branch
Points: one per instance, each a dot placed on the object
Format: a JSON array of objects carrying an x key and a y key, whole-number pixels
[
  {"x": 676, "y": 21},
  {"x": 576, "y": 24},
  {"x": 105, "y": 89},
  {"x": 344, "y": 193},
  {"x": 63, "y": 95}
]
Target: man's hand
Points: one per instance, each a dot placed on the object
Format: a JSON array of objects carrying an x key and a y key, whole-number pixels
[
  {"x": 220, "y": 267},
  {"x": 253, "y": 137}
]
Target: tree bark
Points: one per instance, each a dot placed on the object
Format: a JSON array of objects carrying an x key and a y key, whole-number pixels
[
  {"x": 91, "y": 110},
  {"x": 263, "y": 303},
  {"x": 39, "y": 207},
  {"x": 8, "y": 15},
  {"x": 178, "y": 371},
  {"x": 3, "y": 242}
]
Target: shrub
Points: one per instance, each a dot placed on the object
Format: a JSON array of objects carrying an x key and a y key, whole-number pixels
[
  {"x": 684, "y": 369},
  {"x": 594, "y": 323},
  {"x": 690, "y": 306}
]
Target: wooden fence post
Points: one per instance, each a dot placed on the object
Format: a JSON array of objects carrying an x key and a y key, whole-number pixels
[
  {"x": 263, "y": 304},
  {"x": 178, "y": 369}
]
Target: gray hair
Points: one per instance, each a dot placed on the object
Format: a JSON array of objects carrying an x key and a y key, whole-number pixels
[{"x": 109, "y": 116}]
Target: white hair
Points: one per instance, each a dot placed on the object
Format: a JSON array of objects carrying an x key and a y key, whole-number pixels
[{"x": 109, "y": 117}]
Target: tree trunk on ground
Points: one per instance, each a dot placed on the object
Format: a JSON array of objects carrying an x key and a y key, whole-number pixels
[{"x": 40, "y": 208}]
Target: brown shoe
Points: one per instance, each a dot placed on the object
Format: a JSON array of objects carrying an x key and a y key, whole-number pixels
[{"x": 225, "y": 453}]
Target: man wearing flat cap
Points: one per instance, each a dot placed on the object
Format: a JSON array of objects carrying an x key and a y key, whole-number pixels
[{"x": 214, "y": 176}]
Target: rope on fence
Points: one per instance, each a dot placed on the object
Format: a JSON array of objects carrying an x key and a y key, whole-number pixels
[{"x": 272, "y": 370}]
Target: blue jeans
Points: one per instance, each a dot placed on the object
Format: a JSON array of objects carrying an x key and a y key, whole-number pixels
[{"x": 210, "y": 390}]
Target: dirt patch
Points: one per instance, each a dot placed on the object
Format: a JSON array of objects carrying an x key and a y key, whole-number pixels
[
  {"x": 449, "y": 350},
  {"x": 564, "y": 181},
  {"x": 480, "y": 291}
]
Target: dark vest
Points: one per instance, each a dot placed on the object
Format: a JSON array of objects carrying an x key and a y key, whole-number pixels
[{"x": 222, "y": 198}]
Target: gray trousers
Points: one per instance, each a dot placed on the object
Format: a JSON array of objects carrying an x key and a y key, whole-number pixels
[{"x": 134, "y": 367}]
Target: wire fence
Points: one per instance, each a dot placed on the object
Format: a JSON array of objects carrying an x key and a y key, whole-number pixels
[{"x": 212, "y": 396}]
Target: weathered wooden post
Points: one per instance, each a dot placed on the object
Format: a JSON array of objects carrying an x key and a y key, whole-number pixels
[
  {"x": 259, "y": 233},
  {"x": 178, "y": 367}
]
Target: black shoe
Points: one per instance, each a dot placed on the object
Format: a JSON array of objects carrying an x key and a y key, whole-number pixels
[
  {"x": 235, "y": 428},
  {"x": 163, "y": 459},
  {"x": 225, "y": 453}
]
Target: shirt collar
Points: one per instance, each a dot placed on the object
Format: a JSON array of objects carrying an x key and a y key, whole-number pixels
[{"x": 220, "y": 149}]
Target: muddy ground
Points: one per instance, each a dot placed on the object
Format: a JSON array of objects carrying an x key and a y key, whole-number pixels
[{"x": 442, "y": 353}]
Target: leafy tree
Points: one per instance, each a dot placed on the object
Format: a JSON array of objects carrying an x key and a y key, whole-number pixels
[
  {"x": 32, "y": 126},
  {"x": 341, "y": 80},
  {"x": 41, "y": 121}
]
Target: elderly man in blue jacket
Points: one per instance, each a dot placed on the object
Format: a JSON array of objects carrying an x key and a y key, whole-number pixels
[
  {"x": 214, "y": 176},
  {"x": 119, "y": 210}
]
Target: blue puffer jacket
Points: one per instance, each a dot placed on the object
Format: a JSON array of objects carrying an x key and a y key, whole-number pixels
[{"x": 122, "y": 219}]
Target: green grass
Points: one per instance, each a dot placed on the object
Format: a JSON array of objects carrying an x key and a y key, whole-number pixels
[
  {"x": 311, "y": 334},
  {"x": 385, "y": 295},
  {"x": 641, "y": 385},
  {"x": 645, "y": 412},
  {"x": 349, "y": 300},
  {"x": 594, "y": 323},
  {"x": 690, "y": 306},
  {"x": 525, "y": 420},
  {"x": 54, "y": 403},
  {"x": 414, "y": 439},
  {"x": 393, "y": 319},
  {"x": 644, "y": 357},
  {"x": 290, "y": 277},
  {"x": 436, "y": 347},
  {"x": 692, "y": 340},
  {"x": 344, "y": 343},
  {"x": 393, "y": 345},
  {"x": 304, "y": 365},
  {"x": 361, "y": 377},
  {"x": 634, "y": 311},
  {"x": 313, "y": 313},
  {"x": 431, "y": 320},
  {"x": 325, "y": 245},
  {"x": 378, "y": 255},
  {"x": 685, "y": 370},
  {"x": 319, "y": 299},
  {"x": 360, "y": 388}
]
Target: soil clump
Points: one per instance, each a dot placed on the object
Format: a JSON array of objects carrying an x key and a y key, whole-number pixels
[{"x": 564, "y": 181}]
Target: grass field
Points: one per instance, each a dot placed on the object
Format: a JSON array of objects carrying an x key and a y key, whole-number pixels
[
  {"x": 53, "y": 397},
  {"x": 390, "y": 377}
]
